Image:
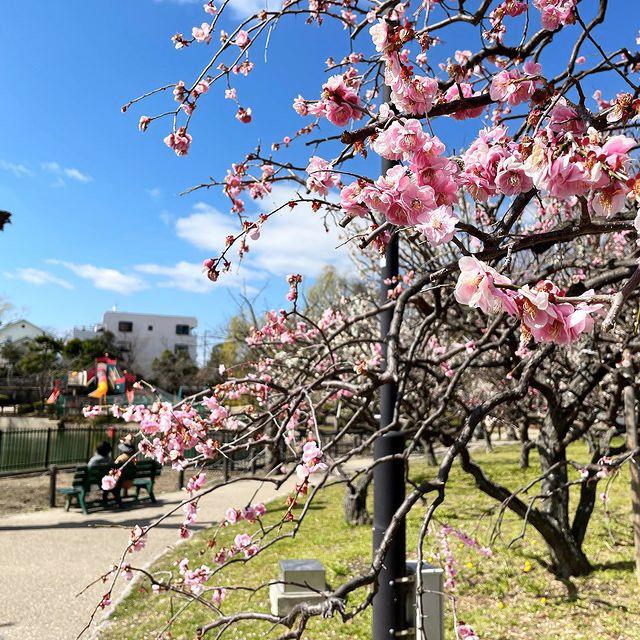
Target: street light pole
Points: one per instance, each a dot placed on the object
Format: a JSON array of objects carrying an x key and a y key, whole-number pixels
[{"x": 388, "y": 477}]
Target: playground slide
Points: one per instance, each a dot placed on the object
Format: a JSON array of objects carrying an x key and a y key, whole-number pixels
[{"x": 103, "y": 384}]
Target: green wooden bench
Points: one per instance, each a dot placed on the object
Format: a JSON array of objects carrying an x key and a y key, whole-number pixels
[
  {"x": 143, "y": 474},
  {"x": 146, "y": 473},
  {"x": 84, "y": 478}
]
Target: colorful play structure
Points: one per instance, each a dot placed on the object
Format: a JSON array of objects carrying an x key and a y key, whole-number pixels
[
  {"x": 78, "y": 388},
  {"x": 103, "y": 379}
]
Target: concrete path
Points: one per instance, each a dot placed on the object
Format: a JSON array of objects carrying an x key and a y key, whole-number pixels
[{"x": 47, "y": 557}]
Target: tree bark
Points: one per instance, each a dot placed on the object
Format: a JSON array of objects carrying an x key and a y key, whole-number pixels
[
  {"x": 631, "y": 420},
  {"x": 527, "y": 445},
  {"x": 355, "y": 502},
  {"x": 432, "y": 459}
]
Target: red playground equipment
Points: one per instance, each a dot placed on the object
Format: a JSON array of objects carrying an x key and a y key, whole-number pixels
[{"x": 104, "y": 374}]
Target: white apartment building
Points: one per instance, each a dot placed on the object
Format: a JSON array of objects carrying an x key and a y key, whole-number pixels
[{"x": 142, "y": 337}]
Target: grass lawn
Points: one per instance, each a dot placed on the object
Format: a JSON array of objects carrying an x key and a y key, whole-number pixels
[{"x": 509, "y": 596}]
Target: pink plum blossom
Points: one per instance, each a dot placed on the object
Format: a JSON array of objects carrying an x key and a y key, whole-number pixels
[
  {"x": 202, "y": 33},
  {"x": 321, "y": 178},
  {"x": 439, "y": 225},
  {"x": 476, "y": 287},
  {"x": 556, "y": 13},
  {"x": 242, "y": 39},
  {"x": 179, "y": 141}
]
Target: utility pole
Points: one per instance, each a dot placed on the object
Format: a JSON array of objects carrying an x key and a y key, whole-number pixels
[
  {"x": 204, "y": 341},
  {"x": 388, "y": 477}
]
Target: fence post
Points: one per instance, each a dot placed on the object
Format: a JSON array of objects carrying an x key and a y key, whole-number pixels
[
  {"x": 1, "y": 434},
  {"x": 47, "y": 449},
  {"x": 225, "y": 468},
  {"x": 88, "y": 453},
  {"x": 53, "y": 476}
]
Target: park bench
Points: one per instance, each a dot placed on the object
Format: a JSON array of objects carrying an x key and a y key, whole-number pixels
[
  {"x": 143, "y": 475},
  {"x": 146, "y": 473}
]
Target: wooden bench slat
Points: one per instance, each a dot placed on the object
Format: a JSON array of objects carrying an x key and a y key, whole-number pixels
[{"x": 142, "y": 474}]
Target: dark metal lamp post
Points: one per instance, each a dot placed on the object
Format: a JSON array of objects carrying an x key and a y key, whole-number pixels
[{"x": 388, "y": 477}]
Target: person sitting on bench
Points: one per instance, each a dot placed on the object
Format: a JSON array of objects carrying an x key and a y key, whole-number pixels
[
  {"x": 101, "y": 456},
  {"x": 126, "y": 450}
]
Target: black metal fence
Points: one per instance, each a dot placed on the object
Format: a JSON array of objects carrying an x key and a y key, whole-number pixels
[{"x": 24, "y": 450}]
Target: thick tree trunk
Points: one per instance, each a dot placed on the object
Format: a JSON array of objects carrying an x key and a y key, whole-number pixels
[
  {"x": 631, "y": 420},
  {"x": 487, "y": 441},
  {"x": 553, "y": 463},
  {"x": 355, "y": 502},
  {"x": 432, "y": 459},
  {"x": 273, "y": 455},
  {"x": 567, "y": 557},
  {"x": 527, "y": 445}
]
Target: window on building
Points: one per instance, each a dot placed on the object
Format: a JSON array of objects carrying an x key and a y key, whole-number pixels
[
  {"x": 182, "y": 329},
  {"x": 150, "y": 327},
  {"x": 125, "y": 327},
  {"x": 124, "y": 346},
  {"x": 182, "y": 348}
]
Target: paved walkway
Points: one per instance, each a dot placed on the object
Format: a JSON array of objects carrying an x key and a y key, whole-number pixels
[{"x": 47, "y": 557}]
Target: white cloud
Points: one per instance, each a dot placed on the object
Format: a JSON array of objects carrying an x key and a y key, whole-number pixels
[
  {"x": 39, "y": 277},
  {"x": 242, "y": 8},
  {"x": 61, "y": 173},
  {"x": 154, "y": 193},
  {"x": 293, "y": 240},
  {"x": 105, "y": 278},
  {"x": 19, "y": 170},
  {"x": 188, "y": 276}
]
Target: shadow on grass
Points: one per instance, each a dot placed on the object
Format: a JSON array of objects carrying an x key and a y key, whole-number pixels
[{"x": 618, "y": 565}]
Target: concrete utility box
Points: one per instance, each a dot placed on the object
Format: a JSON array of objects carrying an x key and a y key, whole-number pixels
[
  {"x": 299, "y": 581},
  {"x": 429, "y": 625}
]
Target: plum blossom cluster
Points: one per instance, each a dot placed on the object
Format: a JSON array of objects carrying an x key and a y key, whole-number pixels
[
  {"x": 138, "y": 538},
  {"x": 565, "y": 159},
  {"x": 508, "y": 8},
  {"x": 556, "y": 13},
  {"x": 339, "y": 101},
  {"x": 544, "y": 313},
  {"x": 410, "y": 93},
  {"x": 277, "y": 328},
  {"x": 243, "y": 543},
  {"x": 194, "y": 579},
  {"x": 321, "y": 177},
  {"x": 248, "y": 514},
  {"x": 466, "y": 540},
  {"x": 168, "y": 432},
  {"x": 311, "y": 461},
  {"x": 515, "y": 86},
  {"x": 419, "y": 194},
  {"x": 493, "y": 165}
]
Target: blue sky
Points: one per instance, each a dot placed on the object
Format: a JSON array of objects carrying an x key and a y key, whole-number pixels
[
  {"x": 97, "y": 216},
  {"x": 96, "y": 207}
]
